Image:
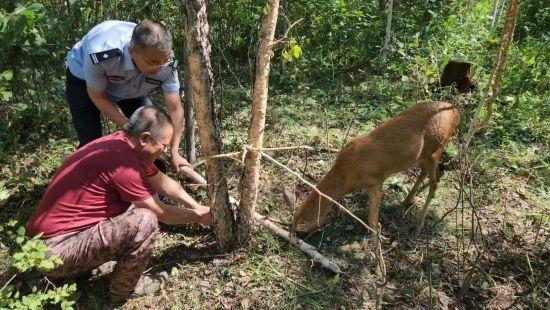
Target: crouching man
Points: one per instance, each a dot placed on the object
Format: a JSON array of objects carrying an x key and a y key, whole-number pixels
[{"x": 103, "y": 205}]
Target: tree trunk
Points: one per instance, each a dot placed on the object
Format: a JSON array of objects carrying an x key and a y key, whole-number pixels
[
  {"x": 494, "y": 14},
  {"x": 388, "y": 35},
  {"x": 188, "y": 113},
  {"x": 200, "y": 72},
  {"x": 250, "y": 178},
  {"x": 499, "y": 14}
]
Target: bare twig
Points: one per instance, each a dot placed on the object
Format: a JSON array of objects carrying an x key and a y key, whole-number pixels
[
  {"x": 7, "y": 283},
  {"x": 49, "y": 283},
  {"x": 285, "y": 35},
  {"x": 380, "y": 255}
]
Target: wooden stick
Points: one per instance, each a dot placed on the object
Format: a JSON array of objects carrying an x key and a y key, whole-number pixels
[
  {"x": 309, "y": 249},
  {"x": 193, "y": 175}
]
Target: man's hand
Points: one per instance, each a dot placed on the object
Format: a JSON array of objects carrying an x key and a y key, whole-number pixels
[
  {"x": 205, "y": 216},
  {"x": 176, "y": 161}
]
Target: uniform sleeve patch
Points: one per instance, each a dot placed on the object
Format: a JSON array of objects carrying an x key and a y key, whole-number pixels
[
  {"x": 153, "y": 81},
  {"x": 105, "y": 55}
]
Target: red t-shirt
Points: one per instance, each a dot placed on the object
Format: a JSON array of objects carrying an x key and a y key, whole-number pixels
[{"x": 97, "y": 182}]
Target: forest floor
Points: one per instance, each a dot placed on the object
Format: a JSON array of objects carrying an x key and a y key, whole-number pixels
[{"x": 501, "y": 263}]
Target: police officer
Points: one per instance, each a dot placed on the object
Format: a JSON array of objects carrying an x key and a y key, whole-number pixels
[{"x": 120, "y": 63}]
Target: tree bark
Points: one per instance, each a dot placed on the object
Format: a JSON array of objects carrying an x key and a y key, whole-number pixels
[
  {"x": 388, "y": 34},
  {"x": 189, "y": 113},
  {"x": 251, "y": 175},
  {"x": 200, "y": 72}
]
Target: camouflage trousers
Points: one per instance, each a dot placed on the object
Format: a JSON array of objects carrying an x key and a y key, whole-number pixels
[{"x": 128, "y": 239}]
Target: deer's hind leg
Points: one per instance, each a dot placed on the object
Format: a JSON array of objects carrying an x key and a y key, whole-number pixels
[
  {"x": 414, "y": 189},
  {"x": 375, "y": 196},
  {"x": 431, "y": 165}
]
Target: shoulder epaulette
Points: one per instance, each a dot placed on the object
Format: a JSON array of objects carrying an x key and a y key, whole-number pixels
[
  {"x": 174, "y": 63},
  {"x": 105, "y": 55}
]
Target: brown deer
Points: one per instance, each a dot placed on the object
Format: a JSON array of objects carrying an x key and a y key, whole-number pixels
[{"x": 415, "y": 136}]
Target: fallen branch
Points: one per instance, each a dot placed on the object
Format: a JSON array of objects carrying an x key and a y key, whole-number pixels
[
  {"x": 194, "y": 176},
  {"x": 309, "y": 249}
]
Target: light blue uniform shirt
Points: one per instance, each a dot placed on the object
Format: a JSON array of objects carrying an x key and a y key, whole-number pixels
[{"x": 102, "y": 59}]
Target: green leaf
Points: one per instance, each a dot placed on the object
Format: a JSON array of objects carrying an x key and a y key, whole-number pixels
[
  {"x": 333, "y": 282},
  {"x": 35, "y": 7},
  {"x": 287, "y": 56},
  {"x": 265, "y": 10},
  {"x": 21, "y": 231},
  {"x": 46, "y": 265},
  {"x": 56, "y": 260},
  {"x": 20, "y": 24},
  {"x": 18, "y": 255},
  {"x": 6, "y": 96},
  {"x": 296, "y": 51},
  {"x": 20, "y": 8},
  {"x": 6, "y": 75},
  {"x": 4, "y": 195}
]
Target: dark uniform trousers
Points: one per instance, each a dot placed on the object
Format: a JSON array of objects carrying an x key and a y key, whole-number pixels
[{"x": 86, "y": 116}]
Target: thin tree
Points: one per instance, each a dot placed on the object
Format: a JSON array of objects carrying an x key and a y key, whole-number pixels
[
  {"x": 251, "y": 176},
  {"x": 188, "y": 111},
  {"x": 495, "y": 12},
  {"x": 500, "y": 10},
  {"x": 489, "y": 97},
  {"x": 493, "y": 85},
  {"x": 202, "y": 83},
  {"x": 387, "y": 38}
]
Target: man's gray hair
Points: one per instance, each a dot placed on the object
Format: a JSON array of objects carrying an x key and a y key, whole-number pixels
[
  {"x": 147, "y": 119},
  {"x": 151, "y": 34}
]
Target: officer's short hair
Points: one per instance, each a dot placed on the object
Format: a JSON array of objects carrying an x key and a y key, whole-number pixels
[
  {"x": 151, "y": 34},
  {"x": 147, "y": 119}
]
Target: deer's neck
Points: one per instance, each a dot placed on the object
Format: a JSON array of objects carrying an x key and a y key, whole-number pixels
[{"x": 334, "y": 185}]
